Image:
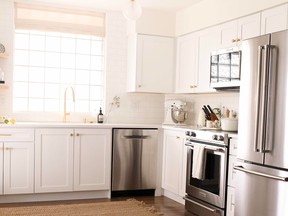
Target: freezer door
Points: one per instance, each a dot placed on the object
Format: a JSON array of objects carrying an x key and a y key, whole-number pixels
[
  {"x": 277, "y": 140},
  {"x": 252, "y": 99},
  {"x": 260, "y": 191}
]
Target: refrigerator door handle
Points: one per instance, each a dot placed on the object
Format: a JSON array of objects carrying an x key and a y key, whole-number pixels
[
  {"x": 265, "y": 89},
  {"x": 242, "y": 169},
  {"x": 260, "y": 57}
]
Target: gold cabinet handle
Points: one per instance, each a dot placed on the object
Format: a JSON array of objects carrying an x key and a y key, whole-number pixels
[
  {"x": 238, "y": 39},
  {"x": 139, "y": 86},
  {"x": 195, "y": 86},
  {"x": 177, "y": 137},
  {"x": 5, "y": 134},
  {"x": 191, "y": 86},
  {"x": 234, "y": 40},
  {"x": 71, "y": 134},
  {"x": 77, "y": 134}
]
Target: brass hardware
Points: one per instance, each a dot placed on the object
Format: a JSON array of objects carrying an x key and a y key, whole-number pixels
[
  {"x": 177, "y": 137},
  {"x": 191, "y": 86},
  {"x": 238, "y": 39},
  {"x": 139, "y": 86},
  {"x": 5, "y": 134},
  {"x": 233, "y": 40},
  {"x": 77, "y": 134},
  {"x": 71, "y": 134},
  {"x": 195, "y": 86}
]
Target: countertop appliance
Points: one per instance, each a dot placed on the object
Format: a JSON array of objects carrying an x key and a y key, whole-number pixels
[
  {"x": 262, "y": 169},
  {"x": 133, "y": 161},
  {"x": 175, "y": 112},
  {"x": 225, "y": 68},
  {"x": 206, "y": 193}
]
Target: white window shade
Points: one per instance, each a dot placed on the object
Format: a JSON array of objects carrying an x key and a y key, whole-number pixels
[{"x": 45, "y": 18}]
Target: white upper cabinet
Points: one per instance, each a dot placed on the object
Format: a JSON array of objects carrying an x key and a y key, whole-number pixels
[
  {"x": 228, "y": 34},
  {"x": 274, "y": 19},
  {"x": 232, "y": 33},
  {"x": 208, "y": 40},
  {"x": 186, "y": 64},
  {"x": 151, "y": 63},
  {"x": 249, "y": 27}
]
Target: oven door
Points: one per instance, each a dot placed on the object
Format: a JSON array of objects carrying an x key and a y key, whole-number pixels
[{"x": 212, "y": 188}]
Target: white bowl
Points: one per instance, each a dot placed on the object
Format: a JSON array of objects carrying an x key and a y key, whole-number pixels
[{"x": 229, "y": 124}]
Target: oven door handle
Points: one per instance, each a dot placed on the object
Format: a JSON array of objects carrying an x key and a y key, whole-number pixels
[
  {"x": 201, "y": 205},
  {"x": 208, "y": 148}
]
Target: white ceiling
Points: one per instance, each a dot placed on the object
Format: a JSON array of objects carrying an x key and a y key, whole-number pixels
[{"x": 167, "y": 5}]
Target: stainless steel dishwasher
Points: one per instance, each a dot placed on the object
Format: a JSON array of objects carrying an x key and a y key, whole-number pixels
[{"x": 134, "y": 161}]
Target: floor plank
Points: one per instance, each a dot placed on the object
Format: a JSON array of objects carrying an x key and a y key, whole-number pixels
[{"x": 163, "y": 204}]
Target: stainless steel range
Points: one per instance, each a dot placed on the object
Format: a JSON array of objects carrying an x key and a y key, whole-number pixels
[{"x": 206, "y": 176}]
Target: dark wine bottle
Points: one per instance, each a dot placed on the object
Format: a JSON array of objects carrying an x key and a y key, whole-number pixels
[{"x": 100, "y": 116}]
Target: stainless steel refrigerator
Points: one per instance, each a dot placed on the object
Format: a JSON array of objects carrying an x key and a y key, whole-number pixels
[{"x": 262, "y": 168}]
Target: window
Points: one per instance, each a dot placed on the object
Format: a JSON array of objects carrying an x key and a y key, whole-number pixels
[{"x": 48, "y": 61}]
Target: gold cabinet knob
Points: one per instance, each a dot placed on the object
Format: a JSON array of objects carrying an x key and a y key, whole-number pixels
[
  {"x": 77, "y": 134},
  {"x": 139, "y": 86},
  {"x": 71, "y": 134},
  {"x": 191, "y": 86},
  {"x": 234, "y": 40},
  {"x": 238, "y": 39},
  {"x": 177, "y": 137}
]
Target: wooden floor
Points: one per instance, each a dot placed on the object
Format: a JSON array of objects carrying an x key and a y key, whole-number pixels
[{"x": 163, "y": 204}]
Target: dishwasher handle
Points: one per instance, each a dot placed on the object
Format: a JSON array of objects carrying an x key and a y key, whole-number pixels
[{"x": 136, "y": 137}]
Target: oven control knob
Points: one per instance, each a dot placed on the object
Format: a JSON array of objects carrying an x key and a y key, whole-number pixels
[
  {"x": 193, "y": 134},
  {"x": 221, "y": 138},
  {"x": 215, "y": 137}
]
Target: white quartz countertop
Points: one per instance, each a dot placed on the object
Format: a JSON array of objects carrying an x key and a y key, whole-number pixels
[{"x": 75, "y": 124}]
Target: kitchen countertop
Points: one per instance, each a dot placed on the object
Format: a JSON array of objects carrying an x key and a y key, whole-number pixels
[
  {"x": 80, "y": 125},
  {"x": 108, "y": 126}
]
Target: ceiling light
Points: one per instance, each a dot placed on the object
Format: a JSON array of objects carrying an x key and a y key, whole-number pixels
[{"x": 132, "y": 10}]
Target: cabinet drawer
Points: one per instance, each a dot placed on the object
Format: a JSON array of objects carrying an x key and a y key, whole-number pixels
[{"x": 16, "y": 134}]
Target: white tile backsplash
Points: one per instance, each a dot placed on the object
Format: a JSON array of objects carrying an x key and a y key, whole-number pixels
[{"x": 195, "y": 102}]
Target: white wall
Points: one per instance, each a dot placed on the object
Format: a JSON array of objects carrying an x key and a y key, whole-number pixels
[
  {"x": 134, "y": 108},
  {"x": 211, "y": 12}
]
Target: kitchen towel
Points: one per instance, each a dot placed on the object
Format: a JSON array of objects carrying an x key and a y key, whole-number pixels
[{"x": 199, "y": 162}]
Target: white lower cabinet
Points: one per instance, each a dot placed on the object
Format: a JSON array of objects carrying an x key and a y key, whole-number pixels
[
  {"x": 16, "y": 161},
  {"x": 230, "y": 205},
  {"x": 174, "y": 164},
  {"x": 230, "y": 201},
  {"x": 53, "y": 160},
  {"x": 72, "y": 159},
  {"x": 92, "y": 159}
]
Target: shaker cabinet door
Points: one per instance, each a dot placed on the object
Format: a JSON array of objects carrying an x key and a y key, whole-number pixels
[
  {"x": 53, "y": 160},
  {"x": 274, "y": 19},
  {"x": 186, "y": 64},
  {"x": 92, "y": 159}
]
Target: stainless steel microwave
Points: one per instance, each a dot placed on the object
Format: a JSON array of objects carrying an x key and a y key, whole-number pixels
[{"x": 225, "y": 68}]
